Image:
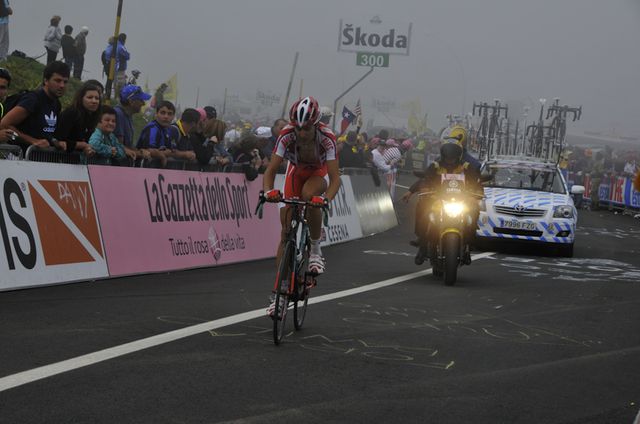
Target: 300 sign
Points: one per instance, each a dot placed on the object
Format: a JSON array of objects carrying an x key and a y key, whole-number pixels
[{"x": 378, "y": 60}]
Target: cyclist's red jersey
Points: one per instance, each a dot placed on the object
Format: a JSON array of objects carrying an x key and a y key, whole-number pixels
[
  {"x": 325, "y": 146},
  {"x": 298, "y": 171}
]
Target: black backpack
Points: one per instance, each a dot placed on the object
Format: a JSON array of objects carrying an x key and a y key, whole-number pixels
[{"x": 105, "y": 62}]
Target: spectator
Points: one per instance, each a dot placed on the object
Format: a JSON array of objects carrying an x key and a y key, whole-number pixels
[
  {"x": 35, "y": 116},
  {"x": 68, "y": 46},
  {"x": 132, "y": 99},
  {"x": 81, "y": 49},
  {"x": 135, "y": 74},
  {"x": 122, "y": 56},
  {"x": 351, "y": 155},
  {"x": 630, "y": 168},
  {"x": 53, "y": 39},
  {"x": 325, "y": 115},
  {"x": 5, "y": 81},
  {"x": 104, "y": 59},
  {"x": 247, "y": 154},
  {"x": 231, "y": 136},
  {"x": 161, "y": 138},
  {"x": 214, "y": 127},
  {"x": 97, "y": 84},
  {"x": 108, "y": 150},
  {"x": 276, "y": 128},
  {"x": 5, "y": 12},
  {"x": 191, "y": 137},
  {"x": 393, "y": 157},
  {"x": 78, "y": 122}
]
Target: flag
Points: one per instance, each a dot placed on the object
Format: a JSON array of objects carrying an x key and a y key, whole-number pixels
[
  {"x": 358, "y": 115},
  {"x": 347, "y": 119},
  {"x": 171, "y": 93}
]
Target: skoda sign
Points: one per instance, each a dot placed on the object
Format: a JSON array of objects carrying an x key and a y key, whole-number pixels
[{"x": 374, "y": 36}]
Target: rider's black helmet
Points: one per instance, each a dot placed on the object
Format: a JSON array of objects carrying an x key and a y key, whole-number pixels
[{"x": 451, "y": 153}]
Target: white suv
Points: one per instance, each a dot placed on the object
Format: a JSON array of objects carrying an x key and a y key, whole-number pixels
[{"x": 527, "y": 199}]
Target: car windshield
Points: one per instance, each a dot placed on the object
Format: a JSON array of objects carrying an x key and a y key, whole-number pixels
[{"x": 526, "y": 178}]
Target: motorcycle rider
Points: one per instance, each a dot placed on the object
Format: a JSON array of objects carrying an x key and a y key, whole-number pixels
[
  {"x": 460, "y": 133},
  {"x": 451, "y": 161}
]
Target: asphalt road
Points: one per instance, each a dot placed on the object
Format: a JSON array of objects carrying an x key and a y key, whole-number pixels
[{"x": 523, "y": 337}]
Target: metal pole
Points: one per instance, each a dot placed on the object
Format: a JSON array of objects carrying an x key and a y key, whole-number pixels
[
  {"x": 224, "y": 102},
  {"x": 197, "y": 96},
  {"x": 335, "y": 103},
  {"x": 286, "y": 98},
  {"x": 114, "y": 52},
  {"x": 301, "y": 86}
]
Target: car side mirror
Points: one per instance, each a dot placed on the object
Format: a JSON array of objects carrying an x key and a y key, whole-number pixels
[{"x": 577, "y": 189}]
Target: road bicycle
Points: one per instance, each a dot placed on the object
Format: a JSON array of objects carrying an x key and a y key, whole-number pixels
[
  {"x": 293, "y": 281},
  {"x": 559, "y": 124},
  {"x": 490, "y": 128}
]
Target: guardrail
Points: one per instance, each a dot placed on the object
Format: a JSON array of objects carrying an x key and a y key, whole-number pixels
[
  {"x": 615, "y": 192},
  {"x": 10, "y": 152},
  {"x": 81, "y": 223}
]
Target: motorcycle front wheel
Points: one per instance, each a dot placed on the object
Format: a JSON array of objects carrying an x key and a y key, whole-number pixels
[{"x": 451, "y": 251}]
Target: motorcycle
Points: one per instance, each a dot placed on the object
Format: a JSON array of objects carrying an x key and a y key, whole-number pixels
[{"x": 451, "y": 215}]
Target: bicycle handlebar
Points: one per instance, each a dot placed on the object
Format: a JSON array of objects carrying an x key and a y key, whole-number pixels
[{"x": 262, "y": 199}]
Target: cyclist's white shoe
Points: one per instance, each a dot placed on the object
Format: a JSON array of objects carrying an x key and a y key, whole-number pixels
[
  {"x": 316, "y": 264},
  {"x": 271, "y": 310}
]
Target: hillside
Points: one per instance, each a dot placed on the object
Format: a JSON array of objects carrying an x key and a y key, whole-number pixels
[{"x": 26, "y": 74}]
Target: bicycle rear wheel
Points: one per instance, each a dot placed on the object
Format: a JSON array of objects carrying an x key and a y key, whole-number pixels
[
  {"x": 302, "y": 289},
  {"x": 283, "y": 280}
]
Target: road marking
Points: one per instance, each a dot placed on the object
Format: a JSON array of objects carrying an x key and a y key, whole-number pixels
[{"x": 29, "y": 376}]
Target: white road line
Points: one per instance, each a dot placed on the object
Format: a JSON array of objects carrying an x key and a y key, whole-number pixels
[
  {"x": 401, "y": 186},
  {"x": 46, "y": 371}
]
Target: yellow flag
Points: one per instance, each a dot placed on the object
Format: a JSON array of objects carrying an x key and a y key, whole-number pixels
[{"x": 171, "y": 93}]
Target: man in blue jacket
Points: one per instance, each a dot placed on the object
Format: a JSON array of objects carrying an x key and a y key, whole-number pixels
[{"x": 122, "y": 57}]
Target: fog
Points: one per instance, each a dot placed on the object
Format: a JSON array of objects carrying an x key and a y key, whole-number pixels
[{"x": 582, "y": 51}]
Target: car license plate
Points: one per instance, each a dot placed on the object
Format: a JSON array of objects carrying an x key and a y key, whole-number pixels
[{"x": 519, "y": 225}]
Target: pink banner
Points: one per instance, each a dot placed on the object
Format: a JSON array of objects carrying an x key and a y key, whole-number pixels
[{"x": 158, "y": 220}]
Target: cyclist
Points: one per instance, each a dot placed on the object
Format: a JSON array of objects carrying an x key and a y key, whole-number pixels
[
  {"x": 310, "y": 148},
  {"x": 451, "y": 161}
]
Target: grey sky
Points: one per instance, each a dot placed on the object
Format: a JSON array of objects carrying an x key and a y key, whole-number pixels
[{"x": 583, "y": 51}]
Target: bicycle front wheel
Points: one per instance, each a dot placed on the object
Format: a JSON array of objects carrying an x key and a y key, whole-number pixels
[
  {"x": 302, "y": 288},
  {"x": 284, "y": 278}
]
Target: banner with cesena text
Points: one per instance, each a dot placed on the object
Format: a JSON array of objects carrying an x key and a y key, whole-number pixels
[
  {"x": 159, "y": 220},
  {"x": 49, "y": 226}
]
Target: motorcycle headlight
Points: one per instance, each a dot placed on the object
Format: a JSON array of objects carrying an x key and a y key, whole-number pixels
[
  {"x": 563, "y": 212},
  {"x": 453, "y": 209}
]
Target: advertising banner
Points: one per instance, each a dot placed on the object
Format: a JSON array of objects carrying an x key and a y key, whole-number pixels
[
  {"x": 158, "y": 220},
  {"x": 49, "y": 226},
  {"x": 374, "y": 36},
  {"x": 616, "y": 192}
]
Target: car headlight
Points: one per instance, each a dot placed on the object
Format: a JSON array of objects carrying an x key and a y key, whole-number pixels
[
  {"x": 453, "y": 209},
  {"x": 563, "y": 212}
]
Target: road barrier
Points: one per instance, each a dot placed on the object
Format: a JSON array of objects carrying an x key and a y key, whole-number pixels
[
  {"x": 614, "y": 191},
  {"x": 63, "y": 223}
]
